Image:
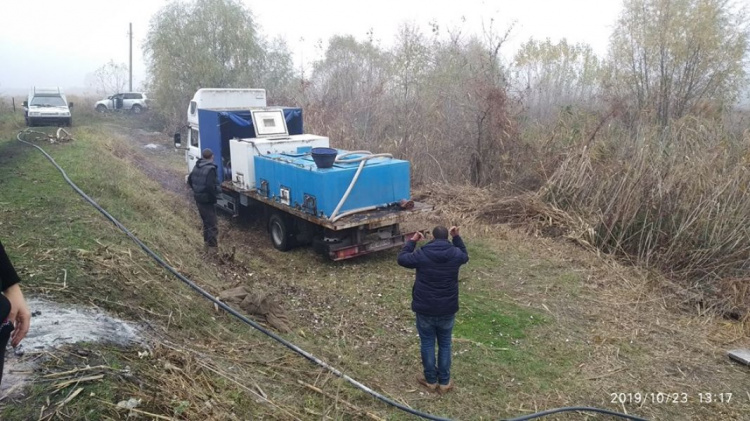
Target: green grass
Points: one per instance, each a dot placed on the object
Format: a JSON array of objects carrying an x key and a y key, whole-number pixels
[
  {"x": 485, "y": 363},
  {"x": 494, "y": 324},
  {"x": 50, "y": 231},
  {"x": 481, "y": 255}
]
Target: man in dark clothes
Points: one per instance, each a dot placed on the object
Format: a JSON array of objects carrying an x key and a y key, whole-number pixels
[
  {"x": 435, "y": 300},
  {"x": 206, "y": 190},
  {"x": 14, "y": 313}
]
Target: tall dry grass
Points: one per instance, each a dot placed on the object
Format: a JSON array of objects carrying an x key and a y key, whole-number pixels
[{"x": 675, "y": 199}]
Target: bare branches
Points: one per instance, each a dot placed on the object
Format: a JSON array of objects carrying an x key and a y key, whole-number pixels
[
  {"x": 110, "y": 78},
  {"x": 673, "y": 58}
]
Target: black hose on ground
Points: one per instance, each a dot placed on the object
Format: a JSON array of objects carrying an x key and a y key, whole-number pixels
[
  {"x": 278, "y": 338},
  {"x": 576, "y": 409}
]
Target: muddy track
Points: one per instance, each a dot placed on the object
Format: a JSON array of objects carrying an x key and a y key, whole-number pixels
[
  {"x": 153, "y": 154},
  {"x": 153, "y": 150}
]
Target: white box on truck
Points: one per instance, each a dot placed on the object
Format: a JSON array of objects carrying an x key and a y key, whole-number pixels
[{"x": 243, "y": 152}]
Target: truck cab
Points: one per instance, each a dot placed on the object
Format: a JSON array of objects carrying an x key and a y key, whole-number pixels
[
  {"x": 216, "y": 99},
  {"x": 47, "y": 107}
]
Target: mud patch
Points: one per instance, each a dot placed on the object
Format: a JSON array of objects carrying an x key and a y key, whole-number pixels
[
  {"x": 151, "y": 150},
  {"x": 54, "y": 325}
]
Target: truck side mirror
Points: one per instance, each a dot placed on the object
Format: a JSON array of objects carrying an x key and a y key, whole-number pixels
[
  {"x": 177, "y": 140},
  {"x": 70, "y": 105},
  {"x": 25, "y": 103}
]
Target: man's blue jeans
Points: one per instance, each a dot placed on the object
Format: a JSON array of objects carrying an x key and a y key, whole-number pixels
[{"x": 440, "y": 328}]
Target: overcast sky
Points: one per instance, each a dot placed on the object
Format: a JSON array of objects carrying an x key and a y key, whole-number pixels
[{"x": 57, "y": 43}]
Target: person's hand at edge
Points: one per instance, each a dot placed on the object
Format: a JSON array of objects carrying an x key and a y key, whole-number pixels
[
  {"x": 454, "y": 231},
  {"x": 417, "y": 236},
  {"x": 20, "y": 315}
]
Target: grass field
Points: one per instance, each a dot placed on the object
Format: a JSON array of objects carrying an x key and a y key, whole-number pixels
[{"x": 543, "y": 323}]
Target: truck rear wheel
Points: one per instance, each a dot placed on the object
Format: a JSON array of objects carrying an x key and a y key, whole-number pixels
[{"x": 278, "y": 227}]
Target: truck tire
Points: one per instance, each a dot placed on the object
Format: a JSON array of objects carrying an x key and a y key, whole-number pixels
[{"x": 278, "y": 227}]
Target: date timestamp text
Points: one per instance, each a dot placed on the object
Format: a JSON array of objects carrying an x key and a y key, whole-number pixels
[{"x": 651, "y": 398}]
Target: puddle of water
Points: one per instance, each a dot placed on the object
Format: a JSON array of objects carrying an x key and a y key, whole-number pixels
[
  {"x": 152, "y": 146},
  {"x": 53, "y": 325}
]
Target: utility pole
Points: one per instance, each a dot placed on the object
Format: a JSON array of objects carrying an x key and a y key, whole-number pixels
[{"x": 130, "y": 67}]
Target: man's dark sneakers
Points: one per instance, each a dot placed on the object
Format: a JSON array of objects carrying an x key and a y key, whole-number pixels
[
  {"x": 445, "y": 388},
  {"x": 430, "y": 386}
]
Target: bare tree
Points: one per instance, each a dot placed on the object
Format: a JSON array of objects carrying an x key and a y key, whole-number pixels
[
  {"x": 348, "y": 89},
  {"x": 277, "y": 70},
  {"x": 411, "y": 60},
  {"x": 442, "y": 104},
  {"x": 672, "y": 57},
  {"x": 550, "y": 76},
  {"x": 110, "y": 78},
  {"x": 204, "y": 43}
]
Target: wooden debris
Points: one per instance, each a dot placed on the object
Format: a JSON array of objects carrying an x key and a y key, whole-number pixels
[
  {"x": 76, "y": 370},
  {"x": 66, "y": 383},
  {"x": 139, "y": 411},
  {"x": 70, "y": 397}
]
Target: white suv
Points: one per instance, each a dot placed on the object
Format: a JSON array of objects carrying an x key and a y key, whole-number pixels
[
  {"x": 136, "y": 102},
  {"x": 47, "y": 106}
]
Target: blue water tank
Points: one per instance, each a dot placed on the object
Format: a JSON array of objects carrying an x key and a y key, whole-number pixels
[{"x": 295, "y": 179}]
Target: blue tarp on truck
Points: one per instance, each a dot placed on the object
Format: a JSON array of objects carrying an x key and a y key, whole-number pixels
[{"x": 236, "y": 124}]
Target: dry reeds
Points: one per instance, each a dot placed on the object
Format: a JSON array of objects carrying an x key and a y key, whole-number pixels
[
  {"x": 672, "y": 199},
  {"x": 467, "y": 205}
]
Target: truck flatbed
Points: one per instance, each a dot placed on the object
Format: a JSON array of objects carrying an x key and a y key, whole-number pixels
[{"x": 371, "y": 219}]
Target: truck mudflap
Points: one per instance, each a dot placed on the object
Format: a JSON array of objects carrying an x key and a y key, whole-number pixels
[{"x": 338, "y": 252}]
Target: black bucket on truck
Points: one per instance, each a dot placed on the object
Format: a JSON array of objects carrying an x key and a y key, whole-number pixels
[{"x": 324, "y": 157}]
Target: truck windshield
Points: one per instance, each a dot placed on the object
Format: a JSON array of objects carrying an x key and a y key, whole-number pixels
[{"x": 47, "y": 101}]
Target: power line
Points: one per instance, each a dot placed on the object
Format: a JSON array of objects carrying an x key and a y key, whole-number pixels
[{"x": 130, "y": 65}]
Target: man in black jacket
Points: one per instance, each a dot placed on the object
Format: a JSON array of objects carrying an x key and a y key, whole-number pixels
[
  {"x": 14, "y": 313},
  {"x": 206, "y": 190},
  {"x": 435, "y": 300}
]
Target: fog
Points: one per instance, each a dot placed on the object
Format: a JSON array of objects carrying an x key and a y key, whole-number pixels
[{"x": 54, "y": 43}]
